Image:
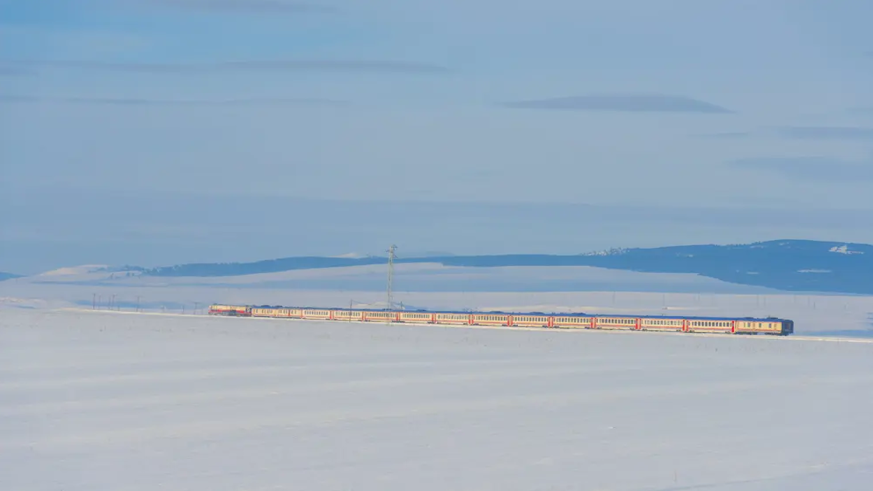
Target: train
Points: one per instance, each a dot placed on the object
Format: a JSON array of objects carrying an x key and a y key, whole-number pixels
[{"x": 682, "y": 324}]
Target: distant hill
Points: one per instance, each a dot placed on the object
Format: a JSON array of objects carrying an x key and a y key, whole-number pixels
[
  {"x": 267, "y": 266},
  {"x": 788, "y": 265},
  {"x": 7, "y": 276}
]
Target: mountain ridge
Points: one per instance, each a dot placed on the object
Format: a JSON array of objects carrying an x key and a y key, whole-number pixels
[
  {"x": 787, "y": 265},
  {"x": 8, "y": 276}
]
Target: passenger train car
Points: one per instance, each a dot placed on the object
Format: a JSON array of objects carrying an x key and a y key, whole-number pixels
[{"x": 724, "y": 325}]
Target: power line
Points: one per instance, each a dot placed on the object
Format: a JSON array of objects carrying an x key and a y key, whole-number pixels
[{"x": 391, "y": 257}]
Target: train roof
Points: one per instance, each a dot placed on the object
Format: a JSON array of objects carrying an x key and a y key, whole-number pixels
[{"x": 556, "y": 314}]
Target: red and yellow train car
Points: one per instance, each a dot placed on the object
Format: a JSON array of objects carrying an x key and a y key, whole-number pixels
[{"x": 723, "y": 325}]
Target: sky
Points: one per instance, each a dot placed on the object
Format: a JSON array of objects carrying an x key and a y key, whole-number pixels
[{"x": 153, "y": 132}]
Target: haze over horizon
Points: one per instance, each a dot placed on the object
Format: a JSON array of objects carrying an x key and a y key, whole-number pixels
[{"x": 158, "y": 132}]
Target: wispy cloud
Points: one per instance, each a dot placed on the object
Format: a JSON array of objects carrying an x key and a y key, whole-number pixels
[
  {"x": 802, "y": 132},
  {"x": 726, "y": 135},
  {"x": 8, "y": 71},
  {"x": 13, "y": 99},
  {"x": 242, "y": 6},
  {"x": 358, "y": 66},
  {"x": 623, "y": 103},
  {"x": 825, "y": 132},
  {"x": 810, "y": 168}
]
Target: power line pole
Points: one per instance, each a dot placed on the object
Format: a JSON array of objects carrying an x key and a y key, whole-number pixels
[{"x": 391, "y": 276}]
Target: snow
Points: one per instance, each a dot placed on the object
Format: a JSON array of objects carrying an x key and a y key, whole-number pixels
[
  {"x": 114, "y": 401},
  {"x": 615, "y": 251},
  {"x": 75, "y": 270},
  {"x": 844, "y": 249}
]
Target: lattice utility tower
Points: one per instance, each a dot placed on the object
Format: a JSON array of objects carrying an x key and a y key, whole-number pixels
[{"x": 391, "y": 257}]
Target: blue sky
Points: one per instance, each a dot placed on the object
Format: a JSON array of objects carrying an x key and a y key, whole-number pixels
[{"x": 748, "y": 109}]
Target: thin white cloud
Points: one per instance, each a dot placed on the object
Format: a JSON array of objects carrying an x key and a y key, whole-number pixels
[
  {"x": 809, "y": 168},
  {"x": 313, "y": 65},
  {"x": 170, "y": 102},
  {"x": 10, "y": 71},
  {"x": 242, "y": 6},
  {"x": 826, "y": 132},
  {"x": 802, "y": 133},
  {"x": 623, "y": 103},
  {"x": 727, "y": 135}
]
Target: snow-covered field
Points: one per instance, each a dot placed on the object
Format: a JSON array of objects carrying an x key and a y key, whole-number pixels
[
  {"x": 814, "y": 314},
  {"x": 600, "y": 291},
  {"x": 114, "y": 401}
]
